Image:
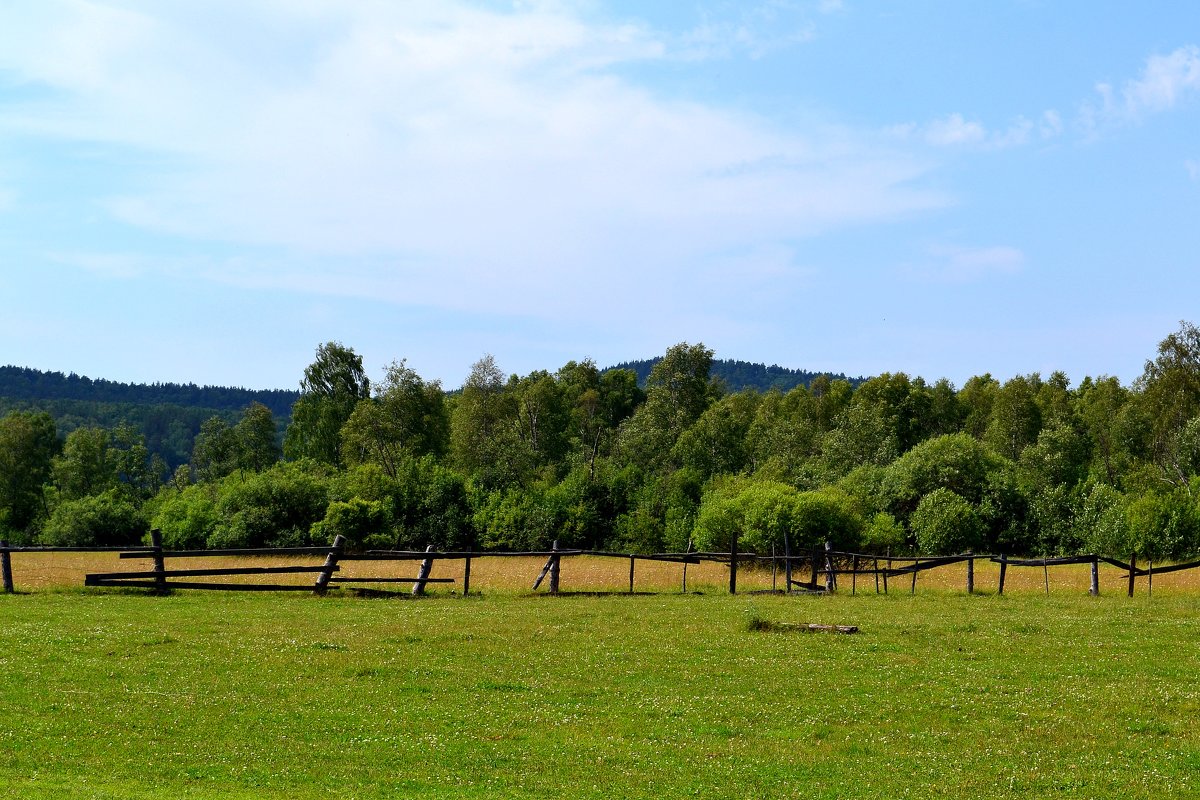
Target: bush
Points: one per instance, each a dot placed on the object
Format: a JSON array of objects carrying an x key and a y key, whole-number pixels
[
  {"x": 945, "y": 523},
  {"x": 761, "y": 512},
  {"x": 186, "y": 518},
  {"x": 273, "y": 508},
  {"x": 100, "y": 520}
]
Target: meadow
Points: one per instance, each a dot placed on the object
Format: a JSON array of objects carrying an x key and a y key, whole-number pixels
[{"x": 111, "y": 694}]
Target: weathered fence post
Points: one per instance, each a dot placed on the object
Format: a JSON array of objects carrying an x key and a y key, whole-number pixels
[
  {"x": 1003, "y": 569},
  {"x": 830, "y": 581},
  {"x": 774, "y": 566},
  {"x": 854, "y": 575},
  {"x": 916, "y": 563},
  {"x": 687, "y": 550},
  {"x": 160, "y": 579},
  {"x": 733, "y": 553},
  {"x": 787, "y": 563},
  {"x": 1149, "y": 577},
  {"x": 631, "y": 562},
  {"x": 467, "y": 573},
  {"x": 6, "y": 566},
  {"x": 1132, "y": 569},
  {"x": 1046, "y": 574},
  {"x": 555, "y": 561},
  {"x": 335, "y": 552},
  {"x": 889, "y": 569},
  {"x": 1095, "y": 587},
  {"x": 418, "y": 588},
  {"x": 970, "y": 572},
  {"x": 875, "y": 567}
]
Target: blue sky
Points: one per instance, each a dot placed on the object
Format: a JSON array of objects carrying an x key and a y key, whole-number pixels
[{"x": 206, "y": 191}]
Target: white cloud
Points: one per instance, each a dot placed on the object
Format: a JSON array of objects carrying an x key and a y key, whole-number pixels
[
  {"x": 1163, "y": 83},
  {"x": 960, "y": 265},
  {"x": 468, "y": 157},
  {"x": 954, "y": 130},
  {"x": 1193, "y": 168}
]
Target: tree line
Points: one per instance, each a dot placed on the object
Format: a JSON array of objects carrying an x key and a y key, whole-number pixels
[{"x": 592, "y": 458}]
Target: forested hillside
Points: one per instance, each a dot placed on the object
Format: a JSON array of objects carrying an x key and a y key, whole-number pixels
[
  {"x": 594, "y": 458},
  {"x": 23, "y": 383},
  {"x": 739, "y": 375},
  {"x": 167, "y": 415}
]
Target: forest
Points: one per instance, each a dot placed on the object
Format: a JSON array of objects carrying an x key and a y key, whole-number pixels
[{"x": 598, "y": 459}]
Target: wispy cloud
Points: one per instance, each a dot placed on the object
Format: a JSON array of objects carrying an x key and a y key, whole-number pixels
[
  {"x": 1164, "y": 82},
  {"x": 472, "y": 157},
  {"x": 961, "y": 265},
  {"x": 755, "y": 30},
  {"x": 956, "y": 131}
]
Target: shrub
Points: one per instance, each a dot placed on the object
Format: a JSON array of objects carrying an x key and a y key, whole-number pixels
[
  {"x": 945, "y": 523},
  {"x": 105, "y": 519}
]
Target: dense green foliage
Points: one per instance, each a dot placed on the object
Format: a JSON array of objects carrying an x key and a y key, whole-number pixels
[{"x": 591, "y": 458}]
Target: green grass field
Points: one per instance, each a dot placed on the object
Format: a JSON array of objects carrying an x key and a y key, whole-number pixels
[{"x": 110, "y": 695}]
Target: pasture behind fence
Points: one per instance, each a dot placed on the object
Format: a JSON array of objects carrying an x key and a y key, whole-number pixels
[{"x": 819, "y": 570}]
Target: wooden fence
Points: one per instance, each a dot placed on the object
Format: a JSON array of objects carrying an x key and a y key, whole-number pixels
[{"x": 823, "y": 566}]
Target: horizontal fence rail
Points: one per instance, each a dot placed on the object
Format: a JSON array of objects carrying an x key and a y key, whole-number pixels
[{"x": 813, "y": 571}]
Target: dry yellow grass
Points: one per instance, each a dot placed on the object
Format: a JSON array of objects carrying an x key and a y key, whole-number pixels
[{"x": 49, "y": 571}]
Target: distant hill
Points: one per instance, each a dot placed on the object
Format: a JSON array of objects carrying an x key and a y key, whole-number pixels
[
  {"x": 23, "y": 383},
  {"x": 739, "y": 375},
  {"x": 169, "y": 415}
]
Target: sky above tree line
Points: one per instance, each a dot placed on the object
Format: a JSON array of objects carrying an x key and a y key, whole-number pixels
[{"x": 203, "y": 192}]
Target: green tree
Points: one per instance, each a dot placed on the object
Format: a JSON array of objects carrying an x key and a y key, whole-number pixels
[
  {"x": 1016, "y": 418},
  {"x": 218, "y": 450},
  {"x": 677, "y": 392},
  {"x": 716, "y": 442},
  {"x": 332, "y": 387},
  {"x": 484, "y": 438},
  {"x": 84, "y": 468},
  {"x": 258, "y": 438},
  {"x": 1170, "y": 393},
  {"x": 28, "y": 443},
  {"x": 407, "y": 417},
  {"x": 598, "y": 403}
]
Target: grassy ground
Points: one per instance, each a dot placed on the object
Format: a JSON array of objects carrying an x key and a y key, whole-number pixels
[{"x": 111, "y": 695}]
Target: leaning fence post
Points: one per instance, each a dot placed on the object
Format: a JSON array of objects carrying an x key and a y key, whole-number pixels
[
  {"x": 631, "y": 561},
  {"x": 1132, "y": 569},
  {"x": 418, "y": 588},
  {"x": 160, "y": 578},
  {"x": 1150, "y": 577},
  {"x": 916, "y": 562},
  {"x": 854, "y": 575},
  {"x": 970, "y": 572},
  {"x": 1095, "y": 587},
  {"x": 889, "y": 569},
  {"x": 875, "y": 568},
  {"x": 6, "y": 566},
  {"x": 1003, "y": 569},
  {"x": 554, "y": 568},
  {"x": 335, "y": 552},
  {"x": 733, "y": 553}
]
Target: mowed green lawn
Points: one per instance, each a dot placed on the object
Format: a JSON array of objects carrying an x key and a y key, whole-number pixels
[{"x": 108, "y": 695}]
